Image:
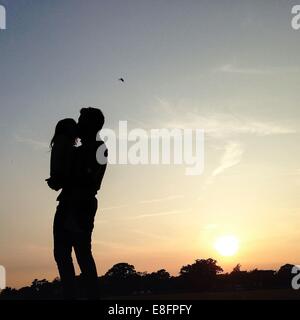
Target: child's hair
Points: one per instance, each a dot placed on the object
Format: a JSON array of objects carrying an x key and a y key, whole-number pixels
[{"x": 66, "y": 127}]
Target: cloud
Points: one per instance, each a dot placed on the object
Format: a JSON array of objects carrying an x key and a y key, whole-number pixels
[
  {"x": 232, "y": 156},
  {"x": 148, "y": 201},
  {"x": 172, "y": 197},
  {"x": 151, "y": 235},
  {"x": 215, "y": 124},
  {"x": 156, "y": 214},
  {"x": 110, "y": 244},
  {"x": 230, "y": 68},
  {"x": 218, "y": 125},
  {"x": 33, "y": 143},
  {"x": 114, "y": 207}
]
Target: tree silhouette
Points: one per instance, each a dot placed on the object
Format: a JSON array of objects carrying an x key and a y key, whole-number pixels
[
  {"x": 201, "y": 268},
  {"x": 156, "y": 281},
  {"x": 121, "y": 271},
  {"x": 201, "y": 274},
  {"x": 122, "y": 276},
  {"x": 161, "y": 275},
  {"x": 236, "y": 269},
  {"x": 122, "y": 280},
  {"x": 9, "y": 294},
  {"x": 37, "y": 285}
]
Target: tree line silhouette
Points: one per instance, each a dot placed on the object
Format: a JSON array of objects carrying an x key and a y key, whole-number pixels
[{"x": 123, "y": 280}]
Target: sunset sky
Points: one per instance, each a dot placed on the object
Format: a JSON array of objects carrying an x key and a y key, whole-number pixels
[{"x": 229, "y": 67}]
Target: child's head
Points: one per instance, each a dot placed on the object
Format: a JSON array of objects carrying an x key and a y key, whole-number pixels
[{"x": 67, "y": 128}]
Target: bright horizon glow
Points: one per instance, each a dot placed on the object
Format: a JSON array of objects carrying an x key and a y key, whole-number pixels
[{"x": 227, "y": 245}]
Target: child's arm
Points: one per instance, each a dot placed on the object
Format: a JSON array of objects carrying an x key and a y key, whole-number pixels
[{"x": 54, "y": 184}]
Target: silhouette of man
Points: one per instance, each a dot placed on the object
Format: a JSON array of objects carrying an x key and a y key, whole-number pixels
[{"x": 74, "y": 217}]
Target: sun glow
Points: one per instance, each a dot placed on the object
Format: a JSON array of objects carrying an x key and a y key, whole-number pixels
[{"x": 227, "y": 245}]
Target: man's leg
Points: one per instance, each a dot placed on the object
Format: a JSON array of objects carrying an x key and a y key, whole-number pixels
[
  {"x": 83, "y": 251},
  {"x": 63, "y": 256}
]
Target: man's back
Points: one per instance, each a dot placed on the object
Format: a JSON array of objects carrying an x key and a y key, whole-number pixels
[{"x": 89, "y": 173}]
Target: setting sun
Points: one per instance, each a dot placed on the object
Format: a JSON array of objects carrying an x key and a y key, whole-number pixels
[{"x": 227, "y": 245}]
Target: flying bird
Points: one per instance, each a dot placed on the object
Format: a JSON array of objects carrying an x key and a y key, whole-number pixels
[{"x": 121, "y": 79}]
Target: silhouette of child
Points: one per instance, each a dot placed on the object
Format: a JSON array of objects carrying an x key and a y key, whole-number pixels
[
  {"x": 62, "y": 146},
  {"x": 62, "y": 164}
]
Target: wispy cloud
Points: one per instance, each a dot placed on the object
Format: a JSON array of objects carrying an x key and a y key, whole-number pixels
[
  {"x": 231, "y": 68},
  {"x": 168, "y": 198},
  {"x": 128, "y": 247},
  {"x": 114, "y": 207},
  {"x": 147, "y": 201},
  {"x": 215, "y": 124},
  {"x": 220, "y": 125},
  {"x": 151, "y": 235},
  {"x": 33, "y": 143},
  {"x": 156, "y": 214},
  {"x": 110, "y": 244},
  {"x": 232, "y": 156}
]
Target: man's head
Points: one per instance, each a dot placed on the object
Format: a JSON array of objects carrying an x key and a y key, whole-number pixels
[{"x": 90, "y": 121}]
